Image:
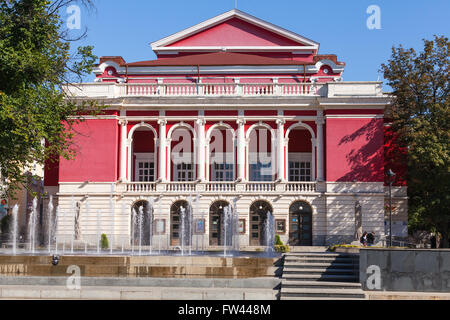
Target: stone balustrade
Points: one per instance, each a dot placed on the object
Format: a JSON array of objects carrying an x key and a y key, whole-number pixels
[{"x": 221, "y": 187}]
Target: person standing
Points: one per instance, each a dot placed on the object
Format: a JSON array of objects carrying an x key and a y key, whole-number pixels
[{"x": 363, "y": 239}]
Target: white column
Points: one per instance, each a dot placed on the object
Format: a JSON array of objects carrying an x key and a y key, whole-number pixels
[
  {"x": 319, "y": 145},
  {"x": 123, "y": 150},
  {"x": 162, "y": 150},
  {"x": 201, "y": 157},
  {"x": 240, "y": 150},
  {"x": 129, "y": 145},
  {"x": 280, "y": 149}
]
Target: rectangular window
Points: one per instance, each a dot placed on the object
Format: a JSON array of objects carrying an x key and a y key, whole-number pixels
[
  {"x": 146, "y": 171},
  {"x": 185, "y": 172},
  {"x": 299, "y": 171},
  {"x": 223, "y": 171},
  {"x": 260, "y": 172}
]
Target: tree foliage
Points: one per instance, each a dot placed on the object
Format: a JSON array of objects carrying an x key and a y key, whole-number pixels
[
  {"x": 35, "y": 64},
  {"x": 420, "y": 118}
]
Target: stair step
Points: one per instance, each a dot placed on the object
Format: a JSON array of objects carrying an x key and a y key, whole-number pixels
[
  {"x": 321, "y": 277},
  {"x": 287, "y": 283},
  {"x": 321, "y": 292},
  {"x": 320, "y": 265},
  {"x": 288, "y": 269},
  {"x": 320, "y": 254},
  {"x": 313, "y": 259}
]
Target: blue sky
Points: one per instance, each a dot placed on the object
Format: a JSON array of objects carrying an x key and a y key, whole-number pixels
[{"x": 125, "y": 28}]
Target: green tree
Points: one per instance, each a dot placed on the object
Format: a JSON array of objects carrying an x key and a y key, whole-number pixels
[
  {"x": 420, "y": 119},
  {"x": 36, "y": 63}
]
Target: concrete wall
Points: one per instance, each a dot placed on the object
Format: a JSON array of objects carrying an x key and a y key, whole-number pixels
[{"x": 407, "y": 270}]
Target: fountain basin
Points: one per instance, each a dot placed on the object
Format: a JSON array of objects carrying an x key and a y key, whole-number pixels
[{"x": 201, "y": 266}]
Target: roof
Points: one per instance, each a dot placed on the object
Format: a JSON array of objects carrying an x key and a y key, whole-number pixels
[
  {"x": 304, "y": 43},
  {"x": 216, "y": 59}
]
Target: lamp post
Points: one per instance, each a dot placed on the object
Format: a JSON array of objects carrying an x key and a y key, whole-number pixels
[{"x": 390, "y": 174}]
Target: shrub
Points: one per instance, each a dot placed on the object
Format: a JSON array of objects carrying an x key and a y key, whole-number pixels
[
  {"x": 278, "y": 240},
  {"x": 279, "y": 245},
  {"x": 281, "y": 248},
  {"x": 104, "y": 243}
]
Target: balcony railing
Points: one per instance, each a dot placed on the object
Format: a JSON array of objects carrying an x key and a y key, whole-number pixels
[
  {"x": 260, "y": 186},
  {"x": 113, "y": 90},
  {"x": 329, "y": 89},
  {"x": 141, "y": 186},
  {"x": 181, "y": 187},
  {"x": 301, "y": 187},
  {"x": 221, "y": 187}
]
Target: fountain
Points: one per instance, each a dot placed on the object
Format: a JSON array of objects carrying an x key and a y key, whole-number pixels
[
  {"x": 32, "y": 227},
  {"x": 226, "y": 228},
  {"x": 143, "y": 219},
  {"x": 235, "y": 223},
  {"x": 151, "y": 203},
  {"x": 140, "y": 222},
  {"x": 133, "y": 228},
  {"x": 182, "y": 235},
  {"x": 57, "y": 218},
  {"x": 14, "y": 228},
  {"x": 269, "y": 227},
  {"x": 189, "y": 221},
  {"x": 197, "y": 204},
  {"x": 49, "y": 223}
]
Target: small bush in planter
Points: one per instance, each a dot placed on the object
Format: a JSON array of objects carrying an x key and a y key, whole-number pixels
[
  {"x": 279, "y": 245},
  {"x": 281, "y": 248},
  {"x": 278, "y": 241},
  {"x": 104, "y": 243}
]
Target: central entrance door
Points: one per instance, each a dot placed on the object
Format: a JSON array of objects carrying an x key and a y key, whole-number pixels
[
  {"x": 300, "y": 224},
  {"x": 258, "y": 215},
  {"x": 216, "y": 216},
  {"x": 176, "y": 228}
]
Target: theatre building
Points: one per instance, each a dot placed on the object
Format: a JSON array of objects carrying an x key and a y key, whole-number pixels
[{"x": 234, "y": 112}]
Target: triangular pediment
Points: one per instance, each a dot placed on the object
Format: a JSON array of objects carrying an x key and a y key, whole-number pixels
[{"x": 234, "y": 31}]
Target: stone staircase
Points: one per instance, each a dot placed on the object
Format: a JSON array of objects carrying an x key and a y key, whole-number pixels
[{"x": 320, "y": 276}]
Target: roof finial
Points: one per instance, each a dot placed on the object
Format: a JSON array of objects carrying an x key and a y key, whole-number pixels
[{"x": 235, "y": 4}]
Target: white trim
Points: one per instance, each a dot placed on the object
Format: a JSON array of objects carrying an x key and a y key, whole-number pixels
[
  {"x": 139, "y": 125},
  {"x": 303, "y": 125},
  {"x": 220, "y": 124},
  {"x": 213, "y": 69},
  {"x": 336, "y": 68},
  {"x": 273, "y": 143},
  {"x": 181, "y": 124},
  {"x": 296, "y": 49},
  {"x": 129, "y": 145},
  {"x": 313, "y": 148},
  {"x": 260, "y": 124},
  {"x": 354, "y": 116},
  {"x": 169, "y": 149},
  {"x": 217, "y": 125},
  {"x": 226, "y": 16},
  {"x": 108, "y": 63}
]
